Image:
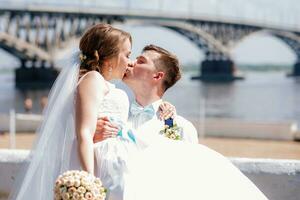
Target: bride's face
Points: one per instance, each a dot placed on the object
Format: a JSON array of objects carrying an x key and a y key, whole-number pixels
[{"x": 121, "y": 62}]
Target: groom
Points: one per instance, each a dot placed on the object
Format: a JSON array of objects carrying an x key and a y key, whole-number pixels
[{"x": 153, "y": 72}]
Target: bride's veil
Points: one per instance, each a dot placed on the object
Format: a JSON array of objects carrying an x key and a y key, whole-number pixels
[{"x": 54, "y": 150}]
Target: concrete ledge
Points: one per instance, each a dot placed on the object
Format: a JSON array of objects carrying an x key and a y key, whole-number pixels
[
  {"x": 297, "y": 136},
  {"x": 285, "y": 130},
  {"x": 10, "y": 162},
  {"x": 269, "y": 166},
  {"x": 24, "y": 122},
  {"x": 278, "y": 179}
]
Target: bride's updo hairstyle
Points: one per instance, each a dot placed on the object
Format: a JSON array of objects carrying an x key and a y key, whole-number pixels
[{"x": 98, "y": 44}]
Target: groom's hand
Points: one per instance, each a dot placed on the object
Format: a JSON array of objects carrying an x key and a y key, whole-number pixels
[
  {"x": 105, "y": 129},
  {"x": 166, "y": 110}
]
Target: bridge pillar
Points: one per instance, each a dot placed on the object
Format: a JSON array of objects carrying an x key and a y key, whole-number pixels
[
  {"x": 217, "y": 70},
  {"x": 35, "y": 77},
  {"x": 23, "y": 63},
  {"x": 296, "y": 71}
]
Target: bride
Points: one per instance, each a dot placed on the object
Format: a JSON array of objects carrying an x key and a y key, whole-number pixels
[
  {"x": 81, "y": 94},
  {"x": 131, "y": 166}
]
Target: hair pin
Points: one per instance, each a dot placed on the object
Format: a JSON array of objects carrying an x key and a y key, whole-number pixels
[{"x": 82, "y": 57}]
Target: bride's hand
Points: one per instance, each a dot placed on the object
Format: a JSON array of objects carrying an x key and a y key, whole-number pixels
[
  {"x": 166, "y": 110},
  {"x": 105, "y": 129}
]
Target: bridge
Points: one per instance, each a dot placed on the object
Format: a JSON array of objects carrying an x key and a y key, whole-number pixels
[{"x": 33, "y": 31}]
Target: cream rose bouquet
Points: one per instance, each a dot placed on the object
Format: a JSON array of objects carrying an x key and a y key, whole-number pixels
[{"x": 78, "y": 185}]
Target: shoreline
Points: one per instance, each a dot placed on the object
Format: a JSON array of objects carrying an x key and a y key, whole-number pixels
[{"x": 229, "y": 147}]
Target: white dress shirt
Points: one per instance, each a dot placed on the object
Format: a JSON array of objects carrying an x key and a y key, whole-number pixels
[{"x": 138, "y": 120}]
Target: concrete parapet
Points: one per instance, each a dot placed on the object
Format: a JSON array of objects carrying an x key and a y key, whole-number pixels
[
  {"x": 278, "y": 179},
  {"x": 250, "y": 129},
  {"x": 10, "y": 163},
  {"x": 24, "y": 122}
]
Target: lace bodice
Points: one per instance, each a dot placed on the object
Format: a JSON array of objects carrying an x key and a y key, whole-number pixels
[{"x": 114, "y": 104}]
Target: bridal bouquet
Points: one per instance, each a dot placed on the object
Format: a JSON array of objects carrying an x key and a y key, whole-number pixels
[{"x": 78, "y": 185}]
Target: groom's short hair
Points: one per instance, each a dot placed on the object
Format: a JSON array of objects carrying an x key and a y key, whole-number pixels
[{"x": 168, "y": 63}]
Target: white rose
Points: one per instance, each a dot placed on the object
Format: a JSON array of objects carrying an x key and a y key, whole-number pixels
[
  {"x": 58, "y": 182},
  {"x": 84, "y": 183},
  {"x": 76, "y": 196},
  {"x": 66, "y": 196},
  {"x": 88, "y": 196},
  {"x": 81, "y": 190},
  {"x": 57, "y": 197},
  {"x": 89, "y": 187},
  {"x": 72, "y": 190},
  {"x": 77, "y": 183},
  {"x": 70, "y": 182},
  {"x": 66, "y": 174},
  {"x": 64, "y": 181}
]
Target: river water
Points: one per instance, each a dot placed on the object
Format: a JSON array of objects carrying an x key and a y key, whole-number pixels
[{"x": 262, "y": 96}]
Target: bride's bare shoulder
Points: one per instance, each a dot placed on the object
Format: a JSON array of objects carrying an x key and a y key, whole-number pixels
[
  {"x": 92, "y": 80},
  {"x": 92, "y": 76}
]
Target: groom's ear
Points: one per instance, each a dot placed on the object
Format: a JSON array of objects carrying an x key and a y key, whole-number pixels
[{"x": 159, "y": 75}]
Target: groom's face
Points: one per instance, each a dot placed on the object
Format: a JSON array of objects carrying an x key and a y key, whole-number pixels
[{"x": 143, "y": 70}]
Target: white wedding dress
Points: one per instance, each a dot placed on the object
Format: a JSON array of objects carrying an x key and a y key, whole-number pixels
[
  {"x": 142, "y": 165},
  {"x": 137, "y": 165},
  {"x": 112, "y": 154}
]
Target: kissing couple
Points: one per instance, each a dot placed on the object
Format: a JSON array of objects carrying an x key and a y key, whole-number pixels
[{"x": 89, "y": 125}]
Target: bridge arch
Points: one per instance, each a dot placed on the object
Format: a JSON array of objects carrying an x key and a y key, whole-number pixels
[
  {"x": 212, "y": 48},
  {"x": 21, "y": 49},
  {"x": 289, "y": 38},
  {"x": 292, "y": 40}
]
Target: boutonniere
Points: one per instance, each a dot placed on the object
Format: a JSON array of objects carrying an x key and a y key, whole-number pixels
[{"x": 171, "y": 130}]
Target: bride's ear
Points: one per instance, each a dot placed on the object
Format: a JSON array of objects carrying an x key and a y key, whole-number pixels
[
  {"x": 111, "y": 63},
  {"x": 159, "y": 75},
  {"x": 107, "y": 64}
]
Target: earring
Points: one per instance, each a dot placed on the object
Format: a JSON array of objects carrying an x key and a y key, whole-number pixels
[{"x": 109, "y": 71}]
